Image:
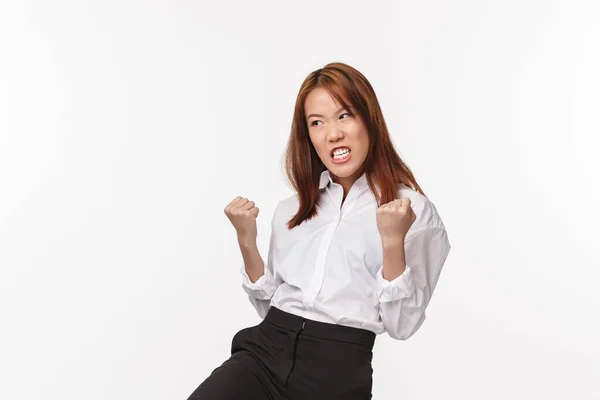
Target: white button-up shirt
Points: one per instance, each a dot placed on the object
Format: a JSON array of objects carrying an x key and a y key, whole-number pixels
[{"x": 329, "y": 268}]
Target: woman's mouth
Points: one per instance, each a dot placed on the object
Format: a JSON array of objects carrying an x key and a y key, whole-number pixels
[{"x": 341, "y": 155}]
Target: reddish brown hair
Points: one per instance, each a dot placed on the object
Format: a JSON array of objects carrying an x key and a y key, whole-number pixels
[{"x": 383, "y": 165}]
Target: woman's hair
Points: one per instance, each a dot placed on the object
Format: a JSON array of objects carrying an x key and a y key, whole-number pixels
[{"x": 383, "y": 165}]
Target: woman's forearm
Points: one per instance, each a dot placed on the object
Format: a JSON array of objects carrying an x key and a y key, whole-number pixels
[
  {"x": 253, "y": 262},
  {"x": 394, "y": 259}
]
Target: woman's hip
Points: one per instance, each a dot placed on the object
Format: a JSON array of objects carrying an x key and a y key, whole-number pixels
[{"x": 305, "y": 357}]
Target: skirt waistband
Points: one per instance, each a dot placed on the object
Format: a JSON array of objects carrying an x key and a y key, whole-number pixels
[{"x": 319, "y": 329}]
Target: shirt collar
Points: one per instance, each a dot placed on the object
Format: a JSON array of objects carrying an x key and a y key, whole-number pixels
[{"x": 325, "y": 179}]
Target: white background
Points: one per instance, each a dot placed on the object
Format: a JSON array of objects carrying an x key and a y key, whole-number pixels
[{"x": 126, "y": 128}]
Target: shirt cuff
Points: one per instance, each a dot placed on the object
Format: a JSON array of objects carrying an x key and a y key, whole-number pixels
[
  {"x": 399, "y": 288},
  {"x": 262, "y": 289}
]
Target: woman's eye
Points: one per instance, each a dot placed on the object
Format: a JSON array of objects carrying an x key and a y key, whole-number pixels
[
  {"x": 348, "y": 114},
  {"x": 314, "y": 122}
]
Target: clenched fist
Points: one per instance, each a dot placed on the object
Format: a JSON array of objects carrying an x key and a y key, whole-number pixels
[
  {"x": 394, "y": 219},
  {"x": 242, "y": 214}
]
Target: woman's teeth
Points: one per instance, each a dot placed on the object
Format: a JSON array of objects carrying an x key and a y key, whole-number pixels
[{"x": 341, "y": 154}]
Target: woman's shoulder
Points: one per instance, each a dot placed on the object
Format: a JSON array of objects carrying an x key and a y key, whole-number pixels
[
  {"x": 423, "y": 207},
  {"x": 285, "y": 209},
  {"x": 288, "y": 205}
]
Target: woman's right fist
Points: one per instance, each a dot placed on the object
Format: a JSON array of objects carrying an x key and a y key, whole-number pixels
[{"x": 242, "y": 214}]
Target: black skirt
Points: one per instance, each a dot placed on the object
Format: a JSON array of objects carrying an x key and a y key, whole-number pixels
[{"x": 293, "y": 358}]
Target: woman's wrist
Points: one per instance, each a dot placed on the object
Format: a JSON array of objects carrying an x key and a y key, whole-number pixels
[{"x": 246, "y": 241}]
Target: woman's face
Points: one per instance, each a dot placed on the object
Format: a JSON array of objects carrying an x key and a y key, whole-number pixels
[{"x": 331, "y": 127}]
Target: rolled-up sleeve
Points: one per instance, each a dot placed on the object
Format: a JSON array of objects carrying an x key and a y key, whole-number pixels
[
  {"x": 404, "y": 299},
  {"x": 261, "y": 291}
]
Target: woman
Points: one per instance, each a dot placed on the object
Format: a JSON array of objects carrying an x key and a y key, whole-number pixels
[{"x": 355, "y": 252}]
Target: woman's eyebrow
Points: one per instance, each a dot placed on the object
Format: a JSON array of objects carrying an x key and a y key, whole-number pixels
[{"x": 319, "y": 115}]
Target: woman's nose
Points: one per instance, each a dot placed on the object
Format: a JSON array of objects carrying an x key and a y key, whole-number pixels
[{"x": 335, "y": 133}]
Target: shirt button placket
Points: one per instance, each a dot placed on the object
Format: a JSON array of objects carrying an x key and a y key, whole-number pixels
[{"x": 317, "y": 279}]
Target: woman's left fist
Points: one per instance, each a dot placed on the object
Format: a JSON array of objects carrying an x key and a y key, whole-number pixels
[{"x": 394, "y": 219}]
